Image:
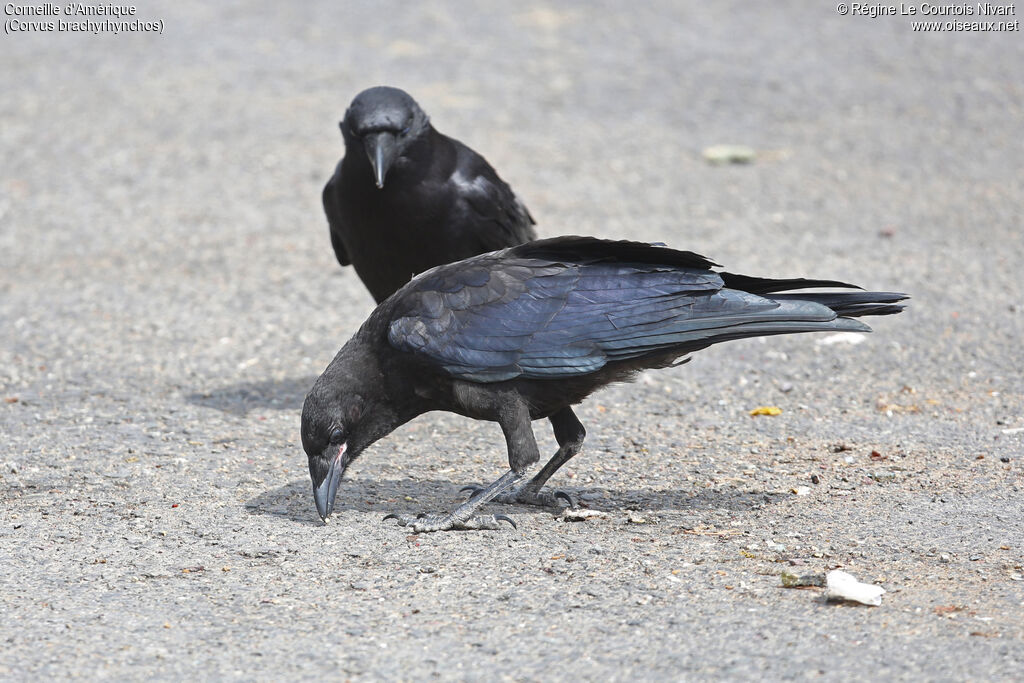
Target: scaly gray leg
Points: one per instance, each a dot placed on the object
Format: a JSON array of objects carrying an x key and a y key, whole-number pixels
[
  {"x": 569, "y": 433},
  {"x": 514, "y": 418}
]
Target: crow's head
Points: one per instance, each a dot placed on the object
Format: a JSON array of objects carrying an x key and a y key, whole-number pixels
[
  {"x": 327, "y": 430},
  {"x": 385, "y": 122},
  {"x": 347, "y": 409}
]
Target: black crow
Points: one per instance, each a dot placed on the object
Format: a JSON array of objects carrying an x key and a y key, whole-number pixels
[
  {"x": 527, "y": 332},
  {"x": 405, "y": 198}
]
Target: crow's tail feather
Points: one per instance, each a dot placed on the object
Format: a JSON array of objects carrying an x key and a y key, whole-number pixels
[
  {"x": 851, "y": 304},
  {"x": 767, "y": 285}
]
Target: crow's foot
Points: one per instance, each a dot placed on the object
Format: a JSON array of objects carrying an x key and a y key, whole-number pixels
[
  {"x": 525, "y": 495},
  {"x": 424, "y": 523}
]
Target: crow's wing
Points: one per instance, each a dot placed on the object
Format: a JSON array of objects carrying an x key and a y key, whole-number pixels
[
  {"x": 334, "y": 221},
  {"x": 492, "y": 319},
  {"x": 484, "y": 201}
]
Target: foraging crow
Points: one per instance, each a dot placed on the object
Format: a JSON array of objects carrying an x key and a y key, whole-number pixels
[
  {"x": 527, "y": 332},
  {"x": 405, "y": 198}
]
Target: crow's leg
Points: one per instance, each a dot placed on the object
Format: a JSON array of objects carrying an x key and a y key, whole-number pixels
[
  {"x": 514, "y": 418},
  {"x": 569, "y": 433}
]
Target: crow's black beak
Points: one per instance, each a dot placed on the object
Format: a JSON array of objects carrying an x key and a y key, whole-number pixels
[
  {"x": 381, "y": 148},
  {"x": 323, "y": 495}
]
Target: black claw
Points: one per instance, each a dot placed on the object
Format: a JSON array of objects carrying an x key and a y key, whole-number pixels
[
  {"x": 391, "y": 515},
  {"x": 473, "y": 490},
  {"x": 570, "y": 501},
  {"x": 506, "y": 518}
]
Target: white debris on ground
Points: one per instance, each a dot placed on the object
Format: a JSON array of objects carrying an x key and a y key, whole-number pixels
[
  {"x": 842, "y": 586},
  {"x": 851, "y": 338},
  {"x": 729, "y": 154},
  {"x": 571, "y": 515}
]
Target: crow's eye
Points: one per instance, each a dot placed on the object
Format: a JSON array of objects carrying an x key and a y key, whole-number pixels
[
  {"x": 408, "y": 127},
  {"x": 337, "y": 436}
]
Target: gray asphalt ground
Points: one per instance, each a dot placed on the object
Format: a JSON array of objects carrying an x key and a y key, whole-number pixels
[{"x": 168, "y": 294}]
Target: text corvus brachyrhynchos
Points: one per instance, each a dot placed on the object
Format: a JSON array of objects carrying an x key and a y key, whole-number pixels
[
  {"x": 527, "y": 332},
  {"x": 406, "y": 198}
]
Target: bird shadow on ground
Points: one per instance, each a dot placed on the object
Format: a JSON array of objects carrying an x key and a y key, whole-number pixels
[
  {"x": 294, "y": 501},
  {"x": 271, "y": 394}
]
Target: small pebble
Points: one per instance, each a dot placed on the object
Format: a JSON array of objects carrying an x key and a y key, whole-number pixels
[{"x": 791, "y": 580}]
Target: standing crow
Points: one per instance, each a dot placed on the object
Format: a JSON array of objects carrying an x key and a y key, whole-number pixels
[
  {"x": 526, "y": 333},
  {"x": 441, "y": 202}
]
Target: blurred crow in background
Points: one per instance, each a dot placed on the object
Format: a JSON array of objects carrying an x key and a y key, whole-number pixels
[
  {"x": 406, "y": 198},
  {"x": 527, "y": 332}
]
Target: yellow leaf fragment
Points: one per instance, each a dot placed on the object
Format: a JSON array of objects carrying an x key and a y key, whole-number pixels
[{"x": 766, "y": 410}]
